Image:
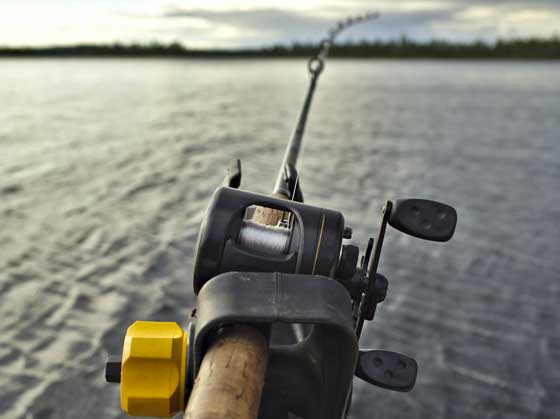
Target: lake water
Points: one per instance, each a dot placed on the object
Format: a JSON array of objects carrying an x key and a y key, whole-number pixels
[{"x": 106, "y": 167}]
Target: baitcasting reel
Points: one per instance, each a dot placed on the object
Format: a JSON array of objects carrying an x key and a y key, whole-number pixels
[{"x": 298, "y": 279}]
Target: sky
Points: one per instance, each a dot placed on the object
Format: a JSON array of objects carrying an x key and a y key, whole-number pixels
[{"x": 251, "y": 23}]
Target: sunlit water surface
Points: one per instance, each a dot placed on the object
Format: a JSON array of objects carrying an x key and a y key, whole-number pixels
[{"x": 106, "y": 167}]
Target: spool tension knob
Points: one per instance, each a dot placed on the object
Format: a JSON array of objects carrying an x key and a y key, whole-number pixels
[{"x": 153, "y": 369}]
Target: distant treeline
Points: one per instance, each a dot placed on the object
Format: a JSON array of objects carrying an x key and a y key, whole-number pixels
[{"x": 403, "y": 48}]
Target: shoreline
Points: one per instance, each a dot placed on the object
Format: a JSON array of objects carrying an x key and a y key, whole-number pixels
[
  {"x": 516, "y": 49},
  {"x": 271, "y": 58}
]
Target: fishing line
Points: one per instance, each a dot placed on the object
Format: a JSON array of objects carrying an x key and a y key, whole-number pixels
[{"x": 271, "y": 239}]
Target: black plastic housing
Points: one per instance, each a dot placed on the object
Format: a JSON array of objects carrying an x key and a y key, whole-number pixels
[
  {"x": 313, "y": 346},
  {"x": 314, "y": 248}
]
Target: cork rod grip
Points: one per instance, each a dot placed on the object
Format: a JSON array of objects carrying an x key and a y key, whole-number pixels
[{"x": 231, "y": 378}]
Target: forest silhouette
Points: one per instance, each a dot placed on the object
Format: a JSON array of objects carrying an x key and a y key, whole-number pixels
[{"x": 532, "y": 48}]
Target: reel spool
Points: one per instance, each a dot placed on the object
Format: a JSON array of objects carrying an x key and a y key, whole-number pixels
[{"x": 269, "y": 239}]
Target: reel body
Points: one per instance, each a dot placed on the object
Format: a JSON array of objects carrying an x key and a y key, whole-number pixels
[{"x": 307, "y": 241}]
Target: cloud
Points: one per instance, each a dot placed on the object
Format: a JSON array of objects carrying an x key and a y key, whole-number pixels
[
  {"x": 259, "y": 26},
  {"x": 229, "y": 23},
  {"x": 419, "y": 19},
  {"x": 262, "y": 26}
]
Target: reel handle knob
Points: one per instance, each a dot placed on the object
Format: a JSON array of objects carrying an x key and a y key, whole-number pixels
[
  {"x": 386, "y": 369},
  {"x": 425, "y": 219}
]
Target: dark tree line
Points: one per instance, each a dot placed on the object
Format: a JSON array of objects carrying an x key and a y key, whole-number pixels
[{"x": 534, "y": 48}]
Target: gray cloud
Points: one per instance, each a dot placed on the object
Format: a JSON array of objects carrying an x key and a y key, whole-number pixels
[
  {"x": 530, "y": 4},
  {"x": 269, "y": 22},
  {"x": 284, "y": 26},
  {"x": 271, "y": 25},
  {"x": 523, "y": 3}
]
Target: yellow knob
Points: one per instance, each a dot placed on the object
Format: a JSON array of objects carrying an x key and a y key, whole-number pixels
[{"x": 153, "y": 369}]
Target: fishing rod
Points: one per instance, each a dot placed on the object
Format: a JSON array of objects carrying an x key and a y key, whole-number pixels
[
  {"x": 287, "y": 180},
  {"x": 282, "y": 298}
]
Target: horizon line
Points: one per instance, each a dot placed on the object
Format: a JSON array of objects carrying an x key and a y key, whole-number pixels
[
  {"x": 522, "y": 48},
  {"x": 286, "y": 45}
]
